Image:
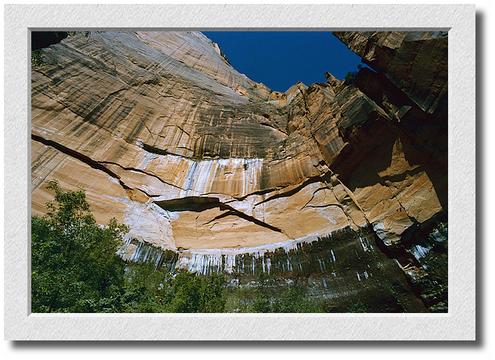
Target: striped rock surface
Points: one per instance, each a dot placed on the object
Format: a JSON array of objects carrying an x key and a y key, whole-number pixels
[{"x": 166, "y": 136}]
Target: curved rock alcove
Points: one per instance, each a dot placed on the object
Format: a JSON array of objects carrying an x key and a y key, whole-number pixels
[{"x": 341, "y": 184}]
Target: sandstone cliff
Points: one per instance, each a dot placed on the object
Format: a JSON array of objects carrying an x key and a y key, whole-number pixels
[{"x": 212, "y": 171}]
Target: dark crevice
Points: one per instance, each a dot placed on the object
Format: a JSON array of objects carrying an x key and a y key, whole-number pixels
[
  {"x": 250, "y": 218},
  {"x": 258, "y": 192},
  {"x": 273, "y": 127},
  {"x": 324, "y": 206},
  {"x": 198, "y": 204},
  {"x": 141, "y": 172},
  {"x": 189, "y": 203},
  {"x": 154, "y": 150},
  {"x": 320, "y": 178},
  {"x": 402, "y": 176},
  {"x": 313, "y": 196},
  {"x": 178, "y": 127},
  {"x": 81, "y": 157}
]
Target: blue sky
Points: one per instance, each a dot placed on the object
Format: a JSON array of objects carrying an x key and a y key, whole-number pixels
[{"x": 279, "y": 59}]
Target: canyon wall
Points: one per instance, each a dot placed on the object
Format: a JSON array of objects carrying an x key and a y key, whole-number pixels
[{"x": 342, "y": 183}]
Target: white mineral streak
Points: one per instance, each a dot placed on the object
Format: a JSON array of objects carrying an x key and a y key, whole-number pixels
[
  {"x": 420, "y": 251},
  {"x": 140, "y": 252},
  {"x": 322, "y": 264},
  {"x": 146, "y": 159},
  {"x": 333, "y": 255},
  {"x": 367, "y": 247},
  {"x": 148, "y": 219},
  {"x": 201, "y": 175},
  {"x": 362, "y": 275},
  {"x": 439, "y": 235},
  {"x": 239, "y": 176},
  {"x": 380, "y": 231}
]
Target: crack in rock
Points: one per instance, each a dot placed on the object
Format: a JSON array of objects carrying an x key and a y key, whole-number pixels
[{"x": 196, "y": 203}]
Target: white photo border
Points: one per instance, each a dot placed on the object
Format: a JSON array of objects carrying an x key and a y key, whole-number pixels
[{"x": 460, "y": 321}]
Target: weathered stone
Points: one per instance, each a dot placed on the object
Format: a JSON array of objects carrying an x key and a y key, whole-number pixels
[
  {"x": 165, "y": 123},
  {"x": 416, "y": 62},
  {"x": 199, "y": 160}
]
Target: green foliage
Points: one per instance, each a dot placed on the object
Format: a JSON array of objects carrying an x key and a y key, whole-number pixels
[
  {"x": 143, "y": 289},
  {"x": 36, "y": 58},
  {"x": 263, "y": 296},
  {"x": 357, "y": 307},
  {"x": 292, "y": 298},
  {"x": 74, "y": 262},
  {"x": 434, "y": 286},
  {"x": 198, "y": 294},
  {"x": 149, "y": 290}
]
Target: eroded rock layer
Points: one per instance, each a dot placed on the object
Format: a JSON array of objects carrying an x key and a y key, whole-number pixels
[
  {"x": 212, "y": 171},
  {"x": 416, "y": 62}
]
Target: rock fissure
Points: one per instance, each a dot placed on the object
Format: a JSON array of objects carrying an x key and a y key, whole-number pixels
[
  {"x": 292, "y": 191},
  {"x": 79, "y": 156},
  {"x": 199, "y": 204},
  {"x": 141, "y": 172}
]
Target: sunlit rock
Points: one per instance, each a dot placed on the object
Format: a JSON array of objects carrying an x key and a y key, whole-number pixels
[{"x": 213, "y": 172}]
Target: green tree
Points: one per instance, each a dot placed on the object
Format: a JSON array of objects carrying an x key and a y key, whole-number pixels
[
  {"x": 193, "y": 293},
  {"x": 74, "y": 263},
  {"x": 146, "y": 289},
  {"x": 357, "y": 307},
  {"x": 263, "y": 295},
  {"x": 213, "y": 297},
  {"x": 294, "y": 300}
]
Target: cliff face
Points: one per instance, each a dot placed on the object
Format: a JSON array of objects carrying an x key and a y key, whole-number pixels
[
  {"x": 415, "y": 62},
  {"x": 342, "y": 183}
]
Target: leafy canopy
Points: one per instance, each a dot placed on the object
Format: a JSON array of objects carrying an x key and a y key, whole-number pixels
[{"x": 74, "y": 263}]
